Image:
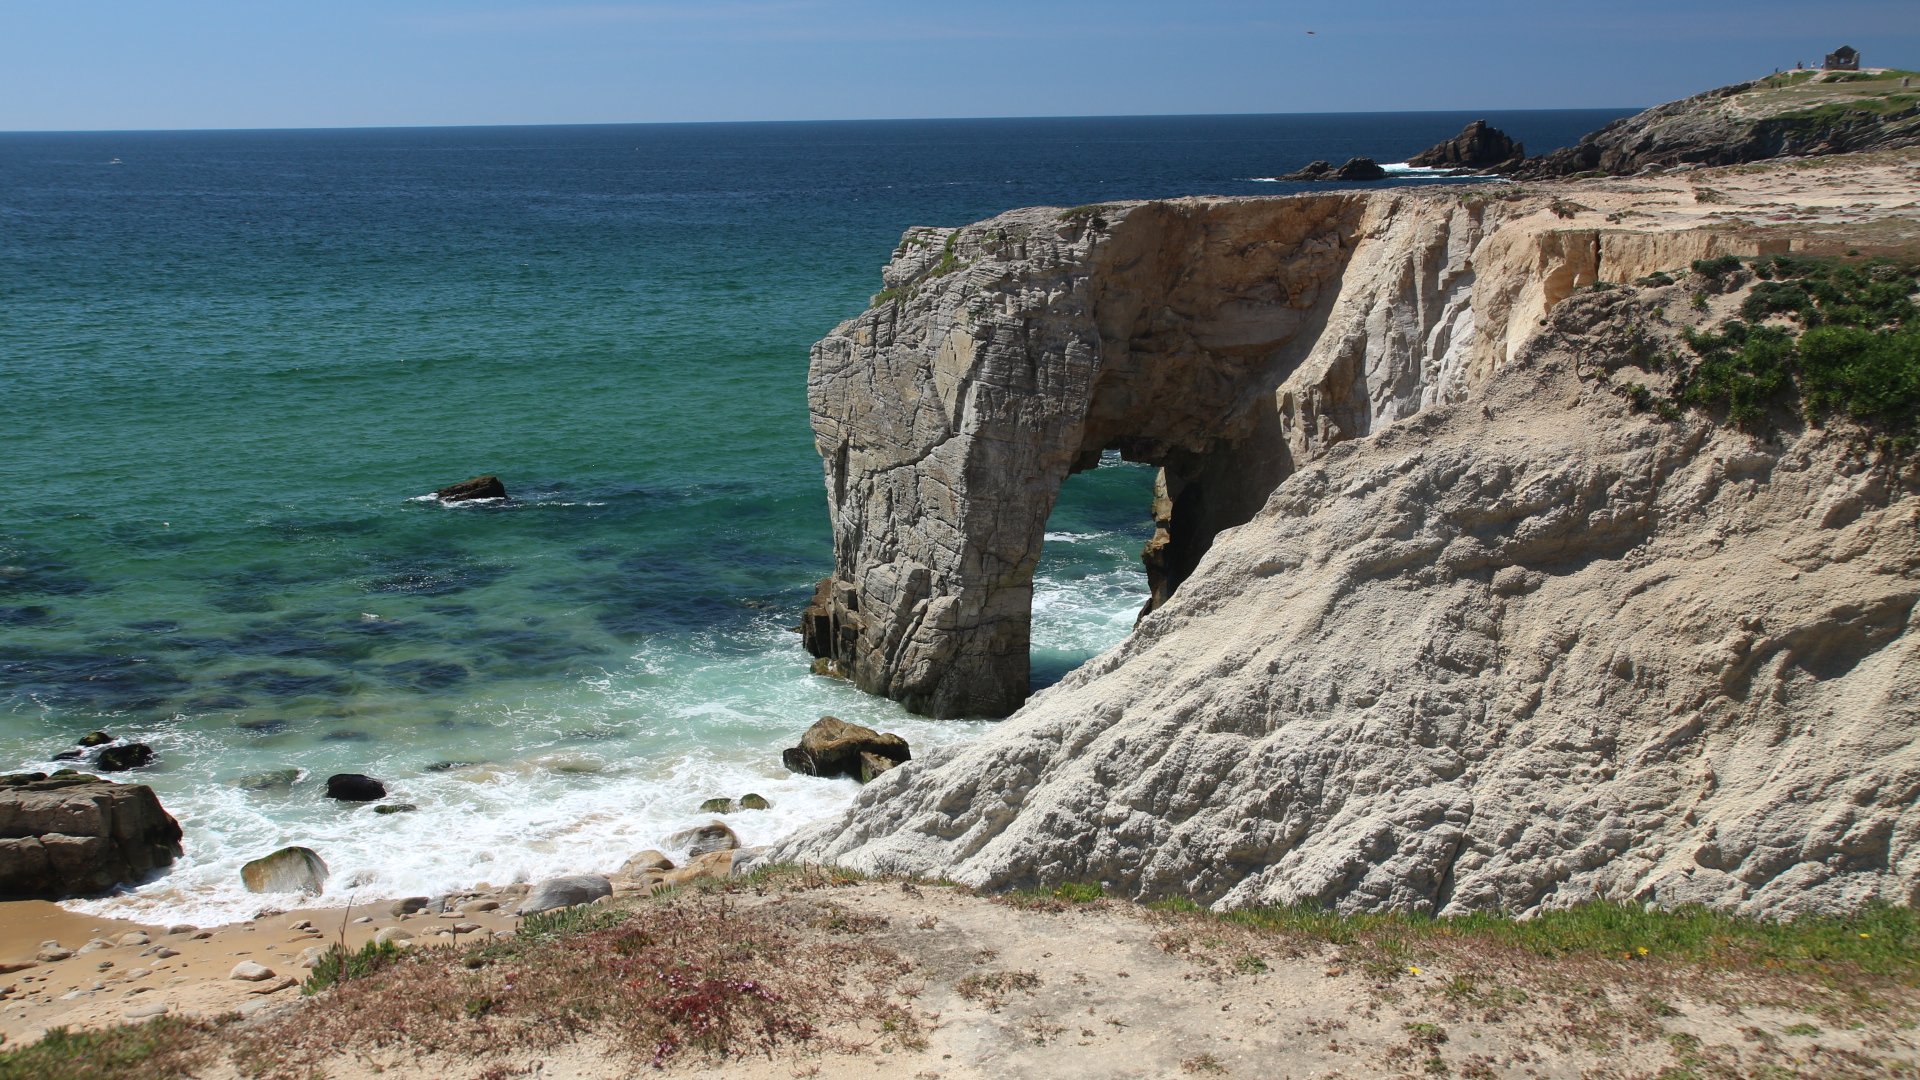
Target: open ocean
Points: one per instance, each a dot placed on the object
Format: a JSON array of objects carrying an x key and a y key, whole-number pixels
[{"x": 230, "y": 362}]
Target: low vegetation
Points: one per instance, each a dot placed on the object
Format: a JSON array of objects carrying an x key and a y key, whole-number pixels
[
  {"x": 1821, "y": 338},
  {"x": 159, "y": 1049}
]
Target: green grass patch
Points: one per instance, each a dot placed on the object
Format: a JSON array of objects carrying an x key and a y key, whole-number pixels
[
  {"x": 1880, "y": 940},
  {"x": 338, "y": 964},
  {"x": 1821, "y": 337},
  {"x": 159, "y": 1049}
]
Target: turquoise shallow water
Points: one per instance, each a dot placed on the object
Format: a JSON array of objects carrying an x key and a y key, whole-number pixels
[{"x": 231, "y": 362}]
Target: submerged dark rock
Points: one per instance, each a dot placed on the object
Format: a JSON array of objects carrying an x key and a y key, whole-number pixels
[
  {"x": 98, "y": 738},
  {"x": 354, "y": 787},
  {"x": 479, "y": 487},
  {"x": 123, "y": 757}
]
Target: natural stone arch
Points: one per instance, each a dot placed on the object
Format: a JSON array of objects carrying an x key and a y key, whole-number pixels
[{"x": 1004, "y": 356}]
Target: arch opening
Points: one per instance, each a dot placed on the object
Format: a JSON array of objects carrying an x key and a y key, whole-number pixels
[{"x": 1090, "y": 585}]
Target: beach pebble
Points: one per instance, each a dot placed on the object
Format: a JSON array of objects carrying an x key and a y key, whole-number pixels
[
  {"x": 274, "y": 987},
  {"x": 180, "y": 929},
  {"x": 391, "y": 935},
  {"x": 74, "y": 995},
  {"x": 407, "y": 905},
  {"x": 96, "y": 945},
  {"x": 249, "y": 971},
  {"x": 53, "y": 952},
  {"x": 303, "y": 924},
  {"x": 103, "y": 965},
  {"x": 134, "y": 938},
  {"x": 165, "y": 953},
  {"x": 148, "y": 1011},
  {"x": 363, "y": 920},
  {"x": 310, "y": 956},
  {"x": 478, "y": 906},
  {"x": 465, "y": 927},
  {"x": 202, "y": 935}
]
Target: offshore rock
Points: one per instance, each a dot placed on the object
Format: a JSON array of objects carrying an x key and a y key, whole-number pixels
[
  {"x": 1359, "y": 168},
  {"x": 76, "y": 835},
  {"x": 354, "y": 787},
  {"x": 1476, "y": 147},
  {"x": 479, "y": 487},
  {"x": 123, "y": 757}
]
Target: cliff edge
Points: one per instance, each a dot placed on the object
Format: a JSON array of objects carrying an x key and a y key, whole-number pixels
[{"x": 1448, "y": 616}]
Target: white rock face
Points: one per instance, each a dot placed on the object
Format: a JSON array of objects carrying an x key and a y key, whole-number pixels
[{"x": 1523, "y": 647}]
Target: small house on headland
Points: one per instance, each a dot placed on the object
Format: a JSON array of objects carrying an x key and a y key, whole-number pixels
[{"x": 1844, "y": 58}]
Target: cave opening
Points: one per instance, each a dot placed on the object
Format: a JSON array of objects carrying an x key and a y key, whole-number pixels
[{"x": 1090, "y": 585}]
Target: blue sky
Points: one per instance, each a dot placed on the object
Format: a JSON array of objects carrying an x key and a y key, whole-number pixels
[{"x": 122, "y": 64}]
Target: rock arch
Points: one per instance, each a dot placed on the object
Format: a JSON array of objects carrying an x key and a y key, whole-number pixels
[{"x": 1223, "y": 340}]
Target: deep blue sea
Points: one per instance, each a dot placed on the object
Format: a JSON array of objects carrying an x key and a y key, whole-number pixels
[{"x": 230, "y": 362}]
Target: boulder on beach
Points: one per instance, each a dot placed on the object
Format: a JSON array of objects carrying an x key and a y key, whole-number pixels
[
  {"x": 353, "y": 787},
  {"x": 833, "y": 747},
  {"x": 479, "y": 487},
  {"x": 71, "y": 834},
  {"x": 644, "y": 862},
  {"x": 123, "y": 757},
  {"x": 291, "y": 869},
  {"x": 702, "y": 839},
  {"x": 563, "y": 892}
]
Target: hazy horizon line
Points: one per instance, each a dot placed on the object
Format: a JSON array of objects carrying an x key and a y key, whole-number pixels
[{"x": 836, "y": 120}]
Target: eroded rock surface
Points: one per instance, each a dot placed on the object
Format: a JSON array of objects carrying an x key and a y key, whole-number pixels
[
  {"x": 1226, "y": 340},
  {"x": 74, "y": 834},
  {"x": 1487, "y": 635}
]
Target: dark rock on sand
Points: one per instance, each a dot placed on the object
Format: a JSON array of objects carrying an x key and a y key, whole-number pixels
[
  {"x": 123, "y": 757},
  {"x": 479, "y": 487},
  {"x": 72, "y": 834},
  {"x": 833, "y": 747},
  {"x": 353, "y": 787}
]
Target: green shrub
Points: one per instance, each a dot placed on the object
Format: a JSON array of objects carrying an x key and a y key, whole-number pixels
[
  {"x": 337, "y": 965},
  {"x": 1719, "y": 267}
]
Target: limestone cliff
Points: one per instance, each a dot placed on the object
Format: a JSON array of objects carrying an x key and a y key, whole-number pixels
[{"x": 1447, "y": 624}]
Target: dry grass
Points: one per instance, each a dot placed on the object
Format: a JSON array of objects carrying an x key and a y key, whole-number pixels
[
  {"x": 689, "y": 976},
  {"x": 160, "y": 1049}
]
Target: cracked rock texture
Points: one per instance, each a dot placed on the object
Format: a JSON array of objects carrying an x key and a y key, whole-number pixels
[{"x": 1488, "y": 638}]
